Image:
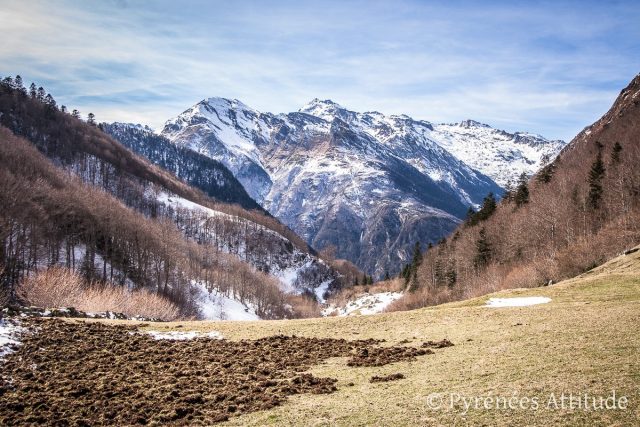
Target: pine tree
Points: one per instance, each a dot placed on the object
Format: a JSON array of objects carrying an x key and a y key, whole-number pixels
[
  {"x": 615, "y": 153},
  {"x": 49, "y": 101},
  {"x": 33, "y": 91},
  {"x": 471, "y": 213},
  {"x": 595, "y": 182},
  {"x": 508, "y": 192},
  {"x": 75, "y": 114},
  {"x": 41, "y": 94},
  {"x": 91, "y": 119},
  {"x": 411, "y": 277},
  {"x": 522, "y": 191},
  {"x": 546, "y": 171},
  {"x": 417, "y": 256},
  {"x": 452, "y": 277},
  {"x": 489, "y": 206},
  {"x": 483, "y": 249},
  {"x": 413, "y": 281},
  {"x": 19, "y": 85}
]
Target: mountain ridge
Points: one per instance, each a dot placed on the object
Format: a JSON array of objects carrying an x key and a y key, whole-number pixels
[{"x": 294, "y": 164}]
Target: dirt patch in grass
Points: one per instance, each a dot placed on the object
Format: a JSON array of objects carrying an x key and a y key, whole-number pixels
[
  {"x": 380, "y": 356},
  {"x": 437, "y": 344},
  {"x": 386, "y": 378},
  {"x": 79, "y": 373}
]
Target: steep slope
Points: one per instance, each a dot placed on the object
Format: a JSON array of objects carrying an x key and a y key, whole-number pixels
[
  {"x": 237, "y": 250},
  {"x": 583, "y": 209},
  {"x": 498, "y": 154},
  {"x": 200, "y": 171},
  {"x": 366, "y": 184}
]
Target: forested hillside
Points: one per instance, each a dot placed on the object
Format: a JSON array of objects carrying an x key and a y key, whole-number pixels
[
  {"x": 577, "y": 212},
  {"x": 96, "y": 207},
  {"x": 200, "y": 171}
]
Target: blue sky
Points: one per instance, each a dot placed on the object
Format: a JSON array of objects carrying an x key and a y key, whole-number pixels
[{"x": 545, "y": 67}]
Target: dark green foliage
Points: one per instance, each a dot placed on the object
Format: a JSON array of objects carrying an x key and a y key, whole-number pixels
[
  {"x": 509, "y": 192},
  {"x": 595, "y": 182},
  {"x": 386, "y": 276},
  {"x": 470, "y": 214},
  {"x": 521, "y": 196},
  {"x": 615, "y": 153},
  {"x": 546, "y": 172},
  {"x": 484, "y": 251},
  {"x": 451, "y": 277},
  {"x": 489, "y": 205},
  {"x": 411, "y": 275}
]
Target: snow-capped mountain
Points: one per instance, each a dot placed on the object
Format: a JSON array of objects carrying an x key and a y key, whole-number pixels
[
  {"x": 501, "y": 155},
  {"x": 368, "y": 184}
]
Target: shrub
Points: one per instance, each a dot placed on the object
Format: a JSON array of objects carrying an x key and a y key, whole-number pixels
[{"x": 59, "y": 287}]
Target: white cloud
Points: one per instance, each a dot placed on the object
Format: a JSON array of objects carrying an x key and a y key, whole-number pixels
[{"x": 536, "y": 68}]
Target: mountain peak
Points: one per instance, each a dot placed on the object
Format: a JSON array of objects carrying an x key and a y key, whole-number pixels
[
  {"x": 469, "y": 123},
  {"x": 225, "y": 103},
  {"x": 325, "y": 109}
]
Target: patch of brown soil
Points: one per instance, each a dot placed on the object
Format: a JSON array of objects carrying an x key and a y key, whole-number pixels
[
  {"x": 78, "y": 373},
  {"x": 392, "y": 377},
  {"x": 380, "y": 356},
  {"x": 437, "y": 344}
]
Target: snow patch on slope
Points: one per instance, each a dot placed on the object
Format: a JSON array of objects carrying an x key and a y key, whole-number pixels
[
  {"x": 9, "y": 332},
  {"x": 516, "y": 302},
  {"x": 364, "y": 305},
  {"x": 216, "y": 306}
]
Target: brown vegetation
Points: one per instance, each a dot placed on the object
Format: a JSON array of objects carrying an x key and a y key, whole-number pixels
[
  {"x": 59, "y": 287},
  {"x": 581, "y": 210},
  {"x": 92, "y": 208}
]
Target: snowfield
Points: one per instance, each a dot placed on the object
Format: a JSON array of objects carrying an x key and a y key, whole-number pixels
[
  {"x": 215, "y": 306},
  {"x": 516, "y": 302},
  {"x": 9, "y": 332},
  {"x": 364, "y": 305}
]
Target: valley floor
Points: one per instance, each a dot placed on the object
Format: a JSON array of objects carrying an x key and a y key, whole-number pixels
[{"x": 585, "y": 342}]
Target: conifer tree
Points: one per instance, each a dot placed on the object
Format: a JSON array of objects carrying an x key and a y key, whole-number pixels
[
  {"x": 522, "y": 191},
  {"x": 546, "y": 171},
  {"x": 33, "y": 91},
  {"x": 75, "y": 113},
  {"x": 595, "y": 182},
  {"x": 41, "y": 94},
  {"x": 615, "y": 153},
  {"x": 91, "y": 119},
  {"x": 508, "y": 192},
  {"x": 483, "y": 249},
  {"x": 417, "y": 256}
]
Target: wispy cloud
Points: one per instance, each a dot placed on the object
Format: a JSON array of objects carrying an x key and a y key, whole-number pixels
[{"x": 547, "y": 67}]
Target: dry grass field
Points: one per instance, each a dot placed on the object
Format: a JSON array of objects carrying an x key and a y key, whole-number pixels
[{"x": 585, "y": 341}]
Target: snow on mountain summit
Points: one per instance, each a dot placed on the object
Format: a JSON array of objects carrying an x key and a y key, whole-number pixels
[
  {"x": 501, "y": 155},
  {"x": 371, "y": 185}
]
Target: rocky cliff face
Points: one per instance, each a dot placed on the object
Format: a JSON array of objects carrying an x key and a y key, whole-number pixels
[{"x": 368, "y": 184}]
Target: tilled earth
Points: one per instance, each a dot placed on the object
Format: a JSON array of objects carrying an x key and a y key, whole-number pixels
[{"x": 79, "y": 373}]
